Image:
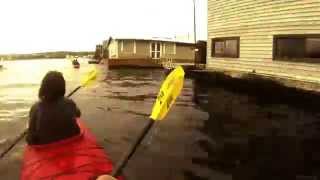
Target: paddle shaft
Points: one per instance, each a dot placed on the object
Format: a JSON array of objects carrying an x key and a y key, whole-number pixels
[
  {"x": 72, "y": 92},
  {"x": 15, "y": 142},
  {"x": 123, "y": 162}
]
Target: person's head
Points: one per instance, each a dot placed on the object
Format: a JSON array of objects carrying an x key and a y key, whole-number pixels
[{"x": 53, "y": 86}]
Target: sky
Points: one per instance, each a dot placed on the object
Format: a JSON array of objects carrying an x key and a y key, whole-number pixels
[{"x": 78, "y": 25}]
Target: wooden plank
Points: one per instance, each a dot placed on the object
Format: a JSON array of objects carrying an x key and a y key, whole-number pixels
[
  {"x": 264, "y": 12},
  {"x": 255, "y": 48},
  {"x": 257, "y": 54},
  {"x": 247, "y": 18},
  {"x": 253, "y": 6},
  {"x": 263, "y": 25},
  {"x": 245, "y": 31},
  {"x": 216, "y": 5}
]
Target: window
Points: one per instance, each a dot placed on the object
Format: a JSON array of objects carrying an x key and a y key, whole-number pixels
[
  {"x": 155, "y": 50},
  {"x": 225, "y": 47},
  {"x": 127, "y": 46},
  {"x": 297, "y": 47},
  {"x": 313, "y": 47}
]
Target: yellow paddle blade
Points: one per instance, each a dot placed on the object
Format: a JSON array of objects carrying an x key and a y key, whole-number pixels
[
  {"x": 169, "y": 91},
  {"x": 91, "y": 76}
]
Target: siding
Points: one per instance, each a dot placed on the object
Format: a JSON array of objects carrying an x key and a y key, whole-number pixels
[
  {"x": 184, "y": 53},
  {"x": 256, "y": 22},
  {"x": 169, "y": 48},
  {"x": 128, "y": 46},
  {"x": 113, "y": 49},
  {"x": 142, "y": 49},
  {"x": 125, "y": 48},
  {"x": 178, "y": 52}
]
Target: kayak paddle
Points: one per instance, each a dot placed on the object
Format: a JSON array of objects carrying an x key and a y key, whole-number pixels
[
  {"x": 169, "y": 91},
  {"x": 91, "y": 76}
]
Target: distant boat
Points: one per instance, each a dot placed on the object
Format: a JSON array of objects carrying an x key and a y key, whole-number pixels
[
  {"x": 76, "y": 66},
  {"x": 75, "y": 63}
]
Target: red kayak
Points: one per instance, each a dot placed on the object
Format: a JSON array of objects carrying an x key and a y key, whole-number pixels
[{"x": 76, "y": 158}]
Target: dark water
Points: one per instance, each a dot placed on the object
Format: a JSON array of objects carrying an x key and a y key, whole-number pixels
[
  {"x": 259, "y": 130},
  {"x": 217, "y": 129}
]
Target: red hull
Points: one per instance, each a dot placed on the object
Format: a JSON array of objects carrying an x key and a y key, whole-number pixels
[
  {"x": 78, "y": 158},
  {"x": 76, "y": 66}
]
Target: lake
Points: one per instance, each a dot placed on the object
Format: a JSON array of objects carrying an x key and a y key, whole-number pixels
[{"x": 214, "y": 131}]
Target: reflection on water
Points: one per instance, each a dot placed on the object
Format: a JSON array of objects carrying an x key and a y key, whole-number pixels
[{"x": 259, "y": 132}]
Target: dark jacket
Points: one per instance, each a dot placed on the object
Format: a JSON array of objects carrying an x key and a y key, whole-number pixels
[{"x": 52, "y": 121}]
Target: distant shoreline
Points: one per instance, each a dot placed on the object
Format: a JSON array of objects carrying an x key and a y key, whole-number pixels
[{"x": 44, "y": 55}]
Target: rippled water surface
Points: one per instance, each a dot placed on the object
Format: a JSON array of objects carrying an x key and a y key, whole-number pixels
[
  {"x": 19, "y": 84},
  {"x": 215, "y": 130}
]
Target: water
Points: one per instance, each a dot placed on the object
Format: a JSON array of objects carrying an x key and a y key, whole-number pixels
[
  {"x": 214, "y": 131},
  {"x": 19, "y": 84},
  {"x": 261, "y": 131}
]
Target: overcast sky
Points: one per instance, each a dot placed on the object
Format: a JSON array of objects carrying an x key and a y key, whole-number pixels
[{"x": 50, "y": 25}]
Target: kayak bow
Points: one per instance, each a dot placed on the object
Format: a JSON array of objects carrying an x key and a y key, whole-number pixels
[{"x": 78, "y": 158}]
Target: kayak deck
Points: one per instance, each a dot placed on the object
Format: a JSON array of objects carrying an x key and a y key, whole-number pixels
[{"x": 79, "y": 157}]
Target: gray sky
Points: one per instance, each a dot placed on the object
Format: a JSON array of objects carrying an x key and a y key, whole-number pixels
[{"x": 50, "y": 25}]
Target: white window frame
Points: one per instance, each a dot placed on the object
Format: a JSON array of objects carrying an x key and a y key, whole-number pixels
[
  {"x": 150, "y": 49},
  {"x": 157, "y": 43},
  {"x": 134, "y": 47}
]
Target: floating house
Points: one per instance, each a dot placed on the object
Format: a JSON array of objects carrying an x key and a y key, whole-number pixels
[{"x": 148, "y": 52}]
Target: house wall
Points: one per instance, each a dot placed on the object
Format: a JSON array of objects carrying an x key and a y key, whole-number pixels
[
  {"x": 143, "y": 49},
  {"x": 169, "y": 48},
  {"x": 178, "y": 52},
  {"x": 133, "y": 49},
  {"x": 185, "y": 53},
  {"x": 125, "y": 49},
  {"x": 113, "y": 49},
  {"x": 140, "y": 49},
  {"x": 256, "y": 22}
]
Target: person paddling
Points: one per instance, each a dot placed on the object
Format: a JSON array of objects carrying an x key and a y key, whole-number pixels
[
  {"x": 53, "y": 117},
  {"x": 75, "y": 62}
]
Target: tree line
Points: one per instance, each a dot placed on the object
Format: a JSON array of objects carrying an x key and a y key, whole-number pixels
[{"x": 45, "y": 55}]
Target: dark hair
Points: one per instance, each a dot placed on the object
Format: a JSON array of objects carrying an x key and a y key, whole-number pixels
[{"x": 53, "y": 86}]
